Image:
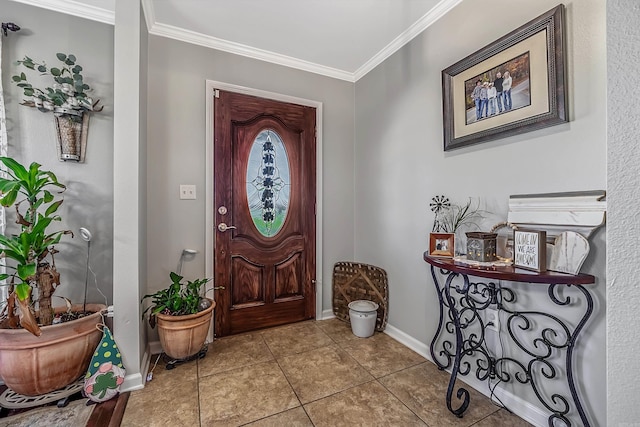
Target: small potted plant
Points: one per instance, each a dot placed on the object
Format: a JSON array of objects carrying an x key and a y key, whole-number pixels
[
  {"x": 182, "y": 316},
  {"x": 67, "y": 98},
  {"x": 32, "y": 348}
]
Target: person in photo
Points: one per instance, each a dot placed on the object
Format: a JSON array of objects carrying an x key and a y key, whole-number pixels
[
  {"x": 476, "y": 99},
  {"x": 497, "y": 83},
  {"x": 506, "y": 90},
  {"x": 491, "y": 96},
  {"x": 484, "y": 99}
]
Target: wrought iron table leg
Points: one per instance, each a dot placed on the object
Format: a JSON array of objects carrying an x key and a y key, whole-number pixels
[
  {"x": 462, "y": 393},
  {"x": 569, "y": 359},
  {"x": 432, "y": 347}
]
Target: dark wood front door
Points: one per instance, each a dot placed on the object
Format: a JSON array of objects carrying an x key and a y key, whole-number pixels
[{"x": 264, "y": 210}]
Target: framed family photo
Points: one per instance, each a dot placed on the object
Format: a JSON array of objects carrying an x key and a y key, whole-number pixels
[
  {"x": 514, "y": 85},
  {"x": 441, "y": 244}
]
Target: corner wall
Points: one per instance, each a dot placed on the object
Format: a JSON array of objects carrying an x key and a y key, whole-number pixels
[
  {"x": 88, "y": 200},
  {"x": 400, "y": 163},
  {"x": 176, "y": 151},
  {"x": 623, "y": 179}
]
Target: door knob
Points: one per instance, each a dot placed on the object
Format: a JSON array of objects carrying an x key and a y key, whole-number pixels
[{"x": 224, "y": 227}]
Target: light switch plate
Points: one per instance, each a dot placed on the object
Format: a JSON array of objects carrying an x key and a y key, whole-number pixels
[{"x": 187, "y": 192}]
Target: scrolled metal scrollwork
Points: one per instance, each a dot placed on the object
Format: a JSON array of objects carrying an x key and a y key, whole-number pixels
[{"x": 538, "y": 335}]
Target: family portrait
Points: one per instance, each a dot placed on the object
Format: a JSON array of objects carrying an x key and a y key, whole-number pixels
[{"x": 499, "y": 90}]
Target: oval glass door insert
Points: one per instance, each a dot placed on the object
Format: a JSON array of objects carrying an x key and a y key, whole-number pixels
[{"x": 268, "y": 183}]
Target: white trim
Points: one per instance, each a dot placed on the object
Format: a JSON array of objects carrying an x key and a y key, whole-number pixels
[
  {"x": 520, "y": 407},
  {"x": 437, "y": 12},
  {"x": 93, "y": 13},
  {"x": 327, "y": 314},
  {"x": 154, "y": 348},
  {"x": 75, "y": 8},
  {"x": 211, "y": 86},
  {"x": 200, "y": 39},
  {"x": 149, "y": 13}
]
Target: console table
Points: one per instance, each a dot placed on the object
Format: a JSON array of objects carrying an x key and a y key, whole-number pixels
[{"x": 462, "y": 303}]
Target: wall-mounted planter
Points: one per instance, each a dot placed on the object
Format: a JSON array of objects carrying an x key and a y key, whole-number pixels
[{"x": 72, "y": 127}]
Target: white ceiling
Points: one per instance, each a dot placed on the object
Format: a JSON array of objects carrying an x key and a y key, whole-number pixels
[{"x": 344, "y": 39}]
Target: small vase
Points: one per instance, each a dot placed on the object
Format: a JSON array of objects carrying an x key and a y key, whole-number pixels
[{"x": 71, "y": 127}]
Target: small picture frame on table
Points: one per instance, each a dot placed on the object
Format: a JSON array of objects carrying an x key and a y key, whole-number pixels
[
  {"x": 441, "y": 245},
  {"x": 530, "y": 249}
]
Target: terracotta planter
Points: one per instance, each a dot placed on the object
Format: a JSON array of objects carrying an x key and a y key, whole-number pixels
[
  {"x": 33, "y": 365},
  {"x": 184, "y": 336}
]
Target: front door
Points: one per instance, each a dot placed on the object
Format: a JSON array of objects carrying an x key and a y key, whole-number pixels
[{"x": 264, "y": 207}]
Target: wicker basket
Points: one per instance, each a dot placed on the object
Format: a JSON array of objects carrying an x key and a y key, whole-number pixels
[{"x": 355, "y": 281}]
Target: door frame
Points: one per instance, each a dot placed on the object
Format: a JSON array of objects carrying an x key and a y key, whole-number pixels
[{"x": 211, "y": 86}]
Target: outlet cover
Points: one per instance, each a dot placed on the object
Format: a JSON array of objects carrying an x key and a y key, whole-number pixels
[
  {"x": 187, "y": 192},
  {"x": 492, "y": 319}
]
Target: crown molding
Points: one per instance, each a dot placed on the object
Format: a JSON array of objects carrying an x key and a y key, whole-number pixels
[
  {"x": 74, "y": 8},
  {"x": 247, "y": 51},
  {"x": 93, "y": 13},
  {"x": 149, "y": 13},
  {"x": 418, "y": 27}
]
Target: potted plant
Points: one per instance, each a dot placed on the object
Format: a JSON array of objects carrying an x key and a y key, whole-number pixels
[
  {"x": 28, "y": 341},
  {"x": 182, "y": 316},
  {"x": 67, "y": 97}
]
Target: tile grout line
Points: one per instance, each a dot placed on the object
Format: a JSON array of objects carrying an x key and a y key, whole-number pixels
[{"x": 288, "y": 382}]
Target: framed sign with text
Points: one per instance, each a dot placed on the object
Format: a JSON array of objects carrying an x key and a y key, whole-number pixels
[{"x": 530, "y": 249}]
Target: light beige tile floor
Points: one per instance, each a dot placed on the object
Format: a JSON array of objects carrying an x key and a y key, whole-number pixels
[{"x": 306, "y": 374}]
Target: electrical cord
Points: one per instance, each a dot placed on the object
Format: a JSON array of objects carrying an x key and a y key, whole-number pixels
[{"x": 493, "y": 397}]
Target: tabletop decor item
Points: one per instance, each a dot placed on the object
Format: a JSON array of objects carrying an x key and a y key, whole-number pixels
[
  {"x": 67, "y": 98},
  {"x": 530, "y": 249},
  {"x": 481, "y": 246},
  {"x": 442, "y": 244},
  {"x": 514, "y": 85}
]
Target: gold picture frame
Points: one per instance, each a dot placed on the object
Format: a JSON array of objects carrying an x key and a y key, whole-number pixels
[
  {"x": 441, "y": 245},
  {"x": 534, "y": 55}
]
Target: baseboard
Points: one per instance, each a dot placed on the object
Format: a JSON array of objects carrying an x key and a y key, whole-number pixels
[
  {"x": 154, "y": 348},
  {"x": 132, "y": 382},
  {"x": 327, "y": 314},
  {"x": 517, "y": 405}
]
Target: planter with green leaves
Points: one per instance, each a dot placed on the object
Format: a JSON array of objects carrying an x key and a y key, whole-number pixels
[
  {"x": 24, "y": 322},
  {"x": 182, "y": 315},
  {"x": 67, "y": 97}
]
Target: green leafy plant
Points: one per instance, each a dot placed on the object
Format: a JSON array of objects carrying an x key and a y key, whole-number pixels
[
  {"x": 68, "y": 90},
  {"x": 31, "y": 249},
  {"x": 176, "y": 300}
]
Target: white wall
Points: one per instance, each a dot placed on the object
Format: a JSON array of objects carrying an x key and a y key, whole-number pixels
[
  {"x": 623, "y": 331},
  {"x": 88, "y": 201},
  {"x": 129, "y": 245},
  {"x": 400, "y": 163},
  {"x": 176, "y": 150}
]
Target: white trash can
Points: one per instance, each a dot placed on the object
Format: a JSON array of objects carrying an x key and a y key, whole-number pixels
[{"x": 363, "y": 314}]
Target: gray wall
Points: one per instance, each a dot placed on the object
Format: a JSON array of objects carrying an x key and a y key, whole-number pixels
[
  {"x": 623, "y": 179},
  {"x": 88, "y": 201},
  {"x": 176, "y": 150},
  {"x": 400, "y": 164}
]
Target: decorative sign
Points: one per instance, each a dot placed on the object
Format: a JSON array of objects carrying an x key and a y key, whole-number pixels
[{"x": 530, "y": 249}]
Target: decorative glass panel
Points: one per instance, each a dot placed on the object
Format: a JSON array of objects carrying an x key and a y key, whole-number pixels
[{"x": 268, "y": 183}]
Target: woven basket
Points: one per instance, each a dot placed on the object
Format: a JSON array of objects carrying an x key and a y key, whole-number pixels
[{"x": 355, "y": 281}]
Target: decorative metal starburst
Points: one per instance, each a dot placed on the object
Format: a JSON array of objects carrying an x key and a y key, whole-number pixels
[{"x": 439, "y": 205}]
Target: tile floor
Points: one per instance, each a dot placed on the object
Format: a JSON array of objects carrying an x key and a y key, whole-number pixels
[{"x": 306, "y": 374}]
